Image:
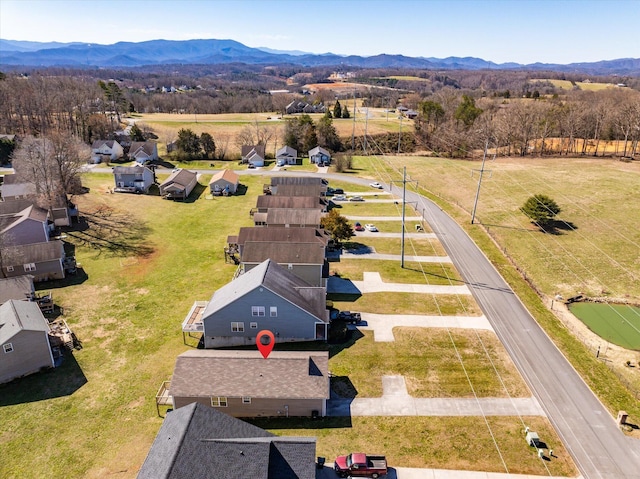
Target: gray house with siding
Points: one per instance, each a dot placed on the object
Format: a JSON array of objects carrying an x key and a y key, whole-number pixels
[
  {"x": 306, "y": 260},
  {"x": 44, "y": 261},
  {"x": 244, "y": 384},
  {"x": 266, "y": 297},
  {"x": 198, "y": 441},
  {"x": 19, "y": 288},
  {"x": 133, "y": 179},
  {"x": 289, "y": 218},
  {"x": 179, "y": 185},
  {"x": 24, "y": 340},
  {"x": 22, "y": 222},
  {"x": 286, "y": 156},
  {"x": 279, "y": 235},
  {"x": 319, "y": 155},
  {"x": 13, "y": 188}
]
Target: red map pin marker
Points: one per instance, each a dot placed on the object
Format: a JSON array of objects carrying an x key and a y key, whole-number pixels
[{"x": 265, "y": 349}]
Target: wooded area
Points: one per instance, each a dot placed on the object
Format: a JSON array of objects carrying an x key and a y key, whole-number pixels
[{"x": 518, "y": 113}]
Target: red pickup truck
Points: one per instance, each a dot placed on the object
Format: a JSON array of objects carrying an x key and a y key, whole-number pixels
[{"x": 358, "y": 464}]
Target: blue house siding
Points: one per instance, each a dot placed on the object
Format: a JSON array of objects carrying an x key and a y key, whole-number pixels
[{"x": 291, "y": 323}]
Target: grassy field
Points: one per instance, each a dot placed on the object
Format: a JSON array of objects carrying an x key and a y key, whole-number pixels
[
  {"x": 368, "y": 208},
  {"x": 427, "y": 359},
  {"x": 617, "y": 324},
  {"x": 391, "y": 272},
  {"x": 419, "y": 247},
  {"x": 436, "y": 442}
]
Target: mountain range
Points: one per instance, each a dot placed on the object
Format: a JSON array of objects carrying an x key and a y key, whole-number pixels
[{"x": 167, "y": 52}]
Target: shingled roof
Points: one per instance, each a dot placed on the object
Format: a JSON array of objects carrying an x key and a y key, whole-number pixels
[
  {"x": 283, "y": 252},
  {"x": 281, "y": 234},
  {"x": 197, "y": 441},
  {"x": 276, "y": 279},
  {"x": 285, "y": 375}
]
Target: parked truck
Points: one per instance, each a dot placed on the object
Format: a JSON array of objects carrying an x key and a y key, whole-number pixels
[{"x": 358, "y": 464}]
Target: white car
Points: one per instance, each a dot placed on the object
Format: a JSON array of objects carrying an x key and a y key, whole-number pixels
[
  {"x": 356, "y": 198},
  {"x": 375, "y": 184},
  {"x": 339, "y": 198},
  {"x": 371, "y": 228}
]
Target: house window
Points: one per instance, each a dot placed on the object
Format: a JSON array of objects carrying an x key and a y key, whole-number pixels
[
  {"x": 218, "y": 401},
  {"x": 9, "y": 269},
  {"x": 237, "y": 327},
  {"x": 257, "y": 311},
  {"x": 273, "y": 311},
  {"x": 253, "y": 325},
  {"x": 29, "y": 267},
  {"x": 7, "y": 347},
  {"x": 246, "y": 400}
]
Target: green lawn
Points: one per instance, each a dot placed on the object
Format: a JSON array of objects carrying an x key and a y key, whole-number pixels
[
  {"x": 427, "y": 359},
  {"x": 435, "y": 442},
  {"x": 618, "y": 324},
  {"x": 367, "y": 208},
  {"x": 412, "y": 246},
  {"x": 392, "y": 272}
]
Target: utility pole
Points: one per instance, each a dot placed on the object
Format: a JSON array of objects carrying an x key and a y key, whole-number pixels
[
  {"x": 404, "y": 195},
  {"x": 481, "y": 170},
  {"x": 366, "y": 123},
  {"x": 353, "y": 131}
]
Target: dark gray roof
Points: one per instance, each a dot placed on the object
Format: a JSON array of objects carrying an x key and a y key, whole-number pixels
[
  {"x": 197, "y": 442},
  {"x": 30, "y": 211},
  {"x": 32, "y": 253},
  {"x": 297, "y": 180},
  {"x": 319, "y": 149},
  {"x": 246, "y": 149},
  {"x": 293, "y": 216},
  {"x": 16, "y": 316},
  {"x": 148, "y": 147},
  {"x": 305, "y": 202},
  {"x": 281, "y": 234},
  {"x": 285, "y": 375},
  {"x": 299, "y": 190},
  {"x": 180, "y": 178},
  {"x": 287, "y": 151},
  {"x": 19, "y": 288},
  {"x": 129, "y": 170},
  {"x": 283, "y": 252},
  {"x": 276, "y": 279}
]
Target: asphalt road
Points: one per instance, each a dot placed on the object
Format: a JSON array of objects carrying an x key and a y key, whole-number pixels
[
  {"x": 598, "y": 447},
  {"x": 588, "y": 431}
]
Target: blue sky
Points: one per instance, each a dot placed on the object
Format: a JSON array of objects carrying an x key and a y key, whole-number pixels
[{"x": 523, "y": 31}]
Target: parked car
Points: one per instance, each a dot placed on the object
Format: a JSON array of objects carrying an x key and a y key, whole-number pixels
[
  {"x": 358, "y": 464},
  {"x": 339, "y": 198},
  {"x": 358, "y": 227},
  {"x": 370, "y": 227},
  {"x": 251, "y": 166},
  {"x": 356, "y": 198},
  {"x": 338, "y": 191},
  {"x": 375, "y": 184}
]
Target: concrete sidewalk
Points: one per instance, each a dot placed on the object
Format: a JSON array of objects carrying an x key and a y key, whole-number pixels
[
  {"x": 373, "y": 284},
  {"x": 373, "y": 219},
  {"x": 390, "y": 257},
  {"x": 382, "y": 324},
  {"x": 396, "y": 401},
  {"x": 327, "y": 472}
]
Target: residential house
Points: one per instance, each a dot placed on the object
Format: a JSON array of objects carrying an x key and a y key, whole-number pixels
[
  {"x": 44, "y": 261},
  {"x": 297, "y": 106},
  {"x": 24, "y": 340},
  {"x": 143, "y": 152},
  {"x": 133, "y": 179},
  {"x": 319, "y": 155},
  {"x": 299, "y": 190},
  {"x": 289, "y": 218},
  {"x": 197, "y": 441},
  {"x": 13, "y": 188},
  {"x": 22, "y": 222},
  {"x": 306, "y": 260},
  {"x": 224, "y": 182},
  {"x": 19, "y": 288},
  {"x": 244, "y": 384},
  {"x": 277, "y": 181},
  {"x": 280, "y": 235},
  {"x": 266, "y": 297},
  {"x": 179, "y": 185},
  {"x": 264, "y": 202},
  {"x": 106, "y": 151},
  {"x": 286, "y": 156},
  {"x": 253, "y": 154}
]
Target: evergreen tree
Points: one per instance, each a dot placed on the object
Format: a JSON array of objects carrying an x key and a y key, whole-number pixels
[
  {"x": 337, "y": 110},
  {"x": 345, "y": 112},
  {"x": 208, "y": 145},
  {"x": 541, "y": 210}
]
